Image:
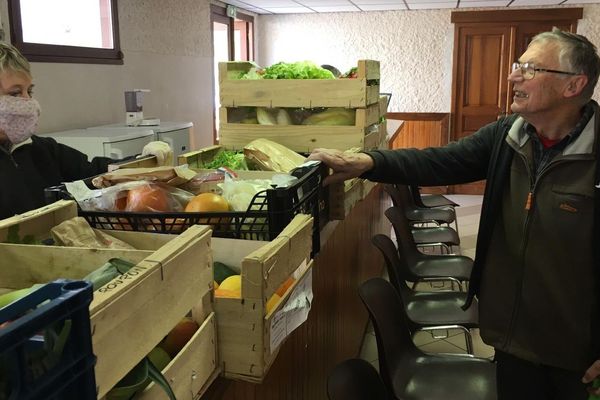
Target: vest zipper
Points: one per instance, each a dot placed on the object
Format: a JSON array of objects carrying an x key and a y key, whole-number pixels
[{"x": 528, "y": 206}]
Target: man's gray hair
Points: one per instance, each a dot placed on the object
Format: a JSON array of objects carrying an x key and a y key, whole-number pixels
[{"x": 577, "y": 54}]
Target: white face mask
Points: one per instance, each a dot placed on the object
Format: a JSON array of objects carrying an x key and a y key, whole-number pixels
[{"x": 18, "y": 117}]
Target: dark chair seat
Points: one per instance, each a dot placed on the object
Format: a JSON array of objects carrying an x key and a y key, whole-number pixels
[
  {"x": 430, "y": 200},
  {"x": 437, "y": 200},
  {"x": 437, "y": 215},
  {"x": 428, "y": 310},
  {"x": 434, "y": 265},
  {"x": 435, "y": 235},
  {"x": 355, "y": 379},
  {"x": 401, "y": 196},
  {"x": 441, "y": 308},
  {"x": 407, "y": 371},
  {"x": 446, "y": 378},
  {"x": 421, "y": 266}
]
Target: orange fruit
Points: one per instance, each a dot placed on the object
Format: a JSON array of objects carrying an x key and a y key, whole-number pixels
[
  {"x": 207, "y": 202},
  {"x": 179, "y": 336},
  {"x": 147, "y": 198},
  {"x": 285, "y": 286},
  {"x": 210, "y": 202}
]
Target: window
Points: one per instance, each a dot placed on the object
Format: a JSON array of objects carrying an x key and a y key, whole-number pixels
[
  {"x": 233, "y": 40},
  {"x": 78, "y": 31}
]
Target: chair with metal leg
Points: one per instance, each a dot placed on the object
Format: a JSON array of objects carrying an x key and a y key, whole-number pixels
[
  {"x": 431, "y": 200},
  {"x": 426, "y": 267},
  {"x": 428, "y": 311},
  {"x": 408, "y": 372},
  {"x": 355, "y": 379},
  {"x": 400, "y": 195},
  {"x": 443, "y": 236}
]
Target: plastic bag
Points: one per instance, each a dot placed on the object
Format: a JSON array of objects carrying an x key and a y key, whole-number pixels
[
  {"x": 239, "y": 193},
  {"x": 205, "y": 182},
  {"x": 138, "y": 197}
]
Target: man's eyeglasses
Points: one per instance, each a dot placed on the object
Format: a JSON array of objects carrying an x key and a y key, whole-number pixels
[{"x": 528, "y": 70}]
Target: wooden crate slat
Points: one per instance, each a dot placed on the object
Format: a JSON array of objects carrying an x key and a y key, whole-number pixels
[
  {"x": 309, "y": 93},
  {"x": 300, "y": 138}
]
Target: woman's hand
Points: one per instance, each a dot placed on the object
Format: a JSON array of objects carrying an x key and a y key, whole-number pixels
[{"x": 344, "y": 165}]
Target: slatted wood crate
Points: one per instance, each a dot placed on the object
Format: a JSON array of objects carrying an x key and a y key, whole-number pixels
[
  {"x": 304, "y": 138},
  {"x": 132, "y": 313},
  {"x": 249, "y": 337},
  {"x": 360, "y": 94},
  {"x": 357, "y": 92}
]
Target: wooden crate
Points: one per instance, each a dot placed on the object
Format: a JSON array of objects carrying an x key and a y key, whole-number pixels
[
  {"x": 305, "y": 138},
  {"x": 308, "y": 93},
  {"x": 195, "y": 367},
  {"x": 343, "y": 196},
  {"x": 244, "y": 328},
  {"x": 133, "y": 312}
]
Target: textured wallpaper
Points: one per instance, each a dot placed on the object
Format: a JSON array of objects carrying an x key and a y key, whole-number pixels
[
  {"x": 177, "y": 27},
  {"x": 414, "y": 48}
]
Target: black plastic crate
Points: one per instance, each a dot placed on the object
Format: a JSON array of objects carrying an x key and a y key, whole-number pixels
[
  {"x": 270, "y": 211},
  {"x": 46, "y": 347}
]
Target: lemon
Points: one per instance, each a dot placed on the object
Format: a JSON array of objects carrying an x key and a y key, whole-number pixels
[{"x": 232, "y": 283}]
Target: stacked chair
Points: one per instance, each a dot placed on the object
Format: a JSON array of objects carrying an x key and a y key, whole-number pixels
[
  {"x": 420, "y": 215},
  {"x": 398, "y": 312},
  {"x": 426, "y": 267},
  {"x": 432, "y": 200},
  {"x": 406, "y": 371},
  {"x": 427, "y": 311},
  {"x": 426, "y": 236}
]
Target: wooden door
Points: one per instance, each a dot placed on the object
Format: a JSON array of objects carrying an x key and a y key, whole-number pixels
[
  {"x": 481, "y": 87},
  {"x": 486, "y": 43}
]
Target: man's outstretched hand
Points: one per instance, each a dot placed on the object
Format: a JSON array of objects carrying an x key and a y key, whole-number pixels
[{"x": 345, "y": 165}]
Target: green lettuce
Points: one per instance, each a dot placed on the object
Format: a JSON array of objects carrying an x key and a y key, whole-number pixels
[{"x": 296, "y": 70}]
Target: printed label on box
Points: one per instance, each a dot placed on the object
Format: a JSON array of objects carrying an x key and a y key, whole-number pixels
[{"x": 293, "y": 313}]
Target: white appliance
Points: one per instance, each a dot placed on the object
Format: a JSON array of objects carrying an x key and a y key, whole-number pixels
[
  {"x": 112, "y": 143},
  {"x": 176, "y": 134}
]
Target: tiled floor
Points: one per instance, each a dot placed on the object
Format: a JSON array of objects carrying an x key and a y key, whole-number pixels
[{"x": 452, "y": 341}]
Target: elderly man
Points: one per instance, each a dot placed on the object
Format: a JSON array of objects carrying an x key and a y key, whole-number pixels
[{"x": 537, "y": 266}]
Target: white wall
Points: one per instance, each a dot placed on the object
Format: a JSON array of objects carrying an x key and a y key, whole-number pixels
[
  {"x": 414, "y": 48},
  {"x": 167, "y": 47}
]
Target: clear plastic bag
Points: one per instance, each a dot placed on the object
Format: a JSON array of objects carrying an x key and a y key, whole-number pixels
[{"x": 138, "y": 197}]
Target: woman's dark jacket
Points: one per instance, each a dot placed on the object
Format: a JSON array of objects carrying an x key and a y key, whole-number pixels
[{"x": 37, "y": 164}]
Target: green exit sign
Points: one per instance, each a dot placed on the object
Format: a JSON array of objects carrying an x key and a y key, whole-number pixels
[{"x": 231, "y": 11}]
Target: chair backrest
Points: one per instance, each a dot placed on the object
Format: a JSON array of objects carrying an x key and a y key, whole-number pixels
[
  {"x": 396, "y": 271},
  {"x": 400, "y": 195},
  {"x": 407, "y": 249},
  {"x": 416, "y": 195},
  {"x": 395, "y": 347},
  {"x": 355, "y": 379}
]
